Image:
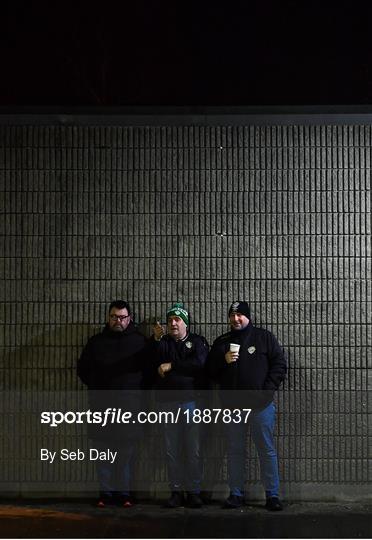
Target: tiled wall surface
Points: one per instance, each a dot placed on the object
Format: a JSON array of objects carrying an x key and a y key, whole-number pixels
[{"x": 277, "y": 215}]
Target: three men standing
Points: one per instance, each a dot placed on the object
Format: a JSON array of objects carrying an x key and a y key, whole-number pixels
[{"x": 247, "y": 362}]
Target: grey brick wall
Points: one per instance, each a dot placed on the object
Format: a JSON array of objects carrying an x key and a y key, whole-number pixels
[{"x": 279, "y": 215}]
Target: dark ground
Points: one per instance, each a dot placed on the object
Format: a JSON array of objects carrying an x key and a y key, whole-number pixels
[{"x": 82, "y": 520}]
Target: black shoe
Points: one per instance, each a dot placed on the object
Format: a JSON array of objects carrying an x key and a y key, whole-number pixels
[
  {"x": 273, "y": 504},
  {"x": 175, "y": 500},
  {"x": 206, "y": 496},
  {"x": 234, "y": 501},
  {"x": 194, "y": 500}
]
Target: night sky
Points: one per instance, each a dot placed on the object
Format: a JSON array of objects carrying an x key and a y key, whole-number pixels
[{"x": 161, "y": 54}]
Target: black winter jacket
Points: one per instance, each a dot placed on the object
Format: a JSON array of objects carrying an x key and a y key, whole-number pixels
[
  {"x": 113, "y": 360},
  {"x": 257, "y": 374},
  {"x": 188, "y": 358},
  {"x": 112, "y": 365}
]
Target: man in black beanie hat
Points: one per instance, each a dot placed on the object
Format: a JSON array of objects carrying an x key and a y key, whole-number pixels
[{"x": 249, "y": 365}]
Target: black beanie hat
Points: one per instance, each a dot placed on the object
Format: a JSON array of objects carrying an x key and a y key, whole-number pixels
[{"x": 240, "y": 307}]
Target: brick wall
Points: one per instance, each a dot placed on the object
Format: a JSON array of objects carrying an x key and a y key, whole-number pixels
[{"x": 279, "y": 215}]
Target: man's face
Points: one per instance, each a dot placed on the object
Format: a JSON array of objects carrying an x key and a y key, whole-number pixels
[
  {"x": 118, "y": 319},
  {"x": 238, "y": 321},
  {"x": 177, "y": 328}
]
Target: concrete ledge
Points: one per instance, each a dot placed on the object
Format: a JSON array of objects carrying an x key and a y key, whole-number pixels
[
  {"x": 300, "y": 492},
  {"x": 144, "y": 116}
]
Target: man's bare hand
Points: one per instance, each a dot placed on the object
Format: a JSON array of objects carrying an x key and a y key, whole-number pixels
[
  {"x": 164, "y": 368},
  {"x": 158, "y": 331},
  {"x": 231, "y": 356}
]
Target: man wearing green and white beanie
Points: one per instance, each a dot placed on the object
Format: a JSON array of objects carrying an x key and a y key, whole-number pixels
[{"x": 180, "y": 358}]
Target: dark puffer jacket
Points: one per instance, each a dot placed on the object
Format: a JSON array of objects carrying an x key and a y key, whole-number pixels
[{"x": 261, "y": 367}]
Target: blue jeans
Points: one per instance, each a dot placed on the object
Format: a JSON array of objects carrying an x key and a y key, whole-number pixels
[
  {"x": 182, "y": 449},
  {"x": 262, "y": 430}
]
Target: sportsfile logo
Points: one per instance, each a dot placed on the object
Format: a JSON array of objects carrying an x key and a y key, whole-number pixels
[{"x": 118, "y": 416}]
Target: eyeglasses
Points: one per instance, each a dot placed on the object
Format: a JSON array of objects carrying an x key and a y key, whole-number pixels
[{"x": 120, "y": 318}]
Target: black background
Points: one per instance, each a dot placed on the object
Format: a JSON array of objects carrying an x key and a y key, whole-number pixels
[{"x": 164, "y": 54}]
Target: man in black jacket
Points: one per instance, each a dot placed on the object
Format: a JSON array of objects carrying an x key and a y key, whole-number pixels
[
  {"x": 111, "y": 365},
  {"x": 179, "y": 357},
  {"x": 249, "y": 365}
]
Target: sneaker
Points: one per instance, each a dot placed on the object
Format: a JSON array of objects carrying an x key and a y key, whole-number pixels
[
  {"x": 194, "y": 500},
  {"x": 175, "y": 500},
  {"x": 104, "y": 501},
  {"x": 234, "y": 501},
  {"x": 273, "y": 504},
  {"x": 126, "y": 501}
]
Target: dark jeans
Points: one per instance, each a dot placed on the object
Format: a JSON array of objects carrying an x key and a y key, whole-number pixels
[
  {"x": 115, "y": 478},
  {"x": 182, "y": 449}
]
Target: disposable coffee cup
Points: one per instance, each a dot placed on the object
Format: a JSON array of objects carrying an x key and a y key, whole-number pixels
[{"x": 234, "y": 347}]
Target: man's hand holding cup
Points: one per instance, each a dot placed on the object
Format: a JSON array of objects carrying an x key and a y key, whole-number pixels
[{"x": 233, "y": 354}]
